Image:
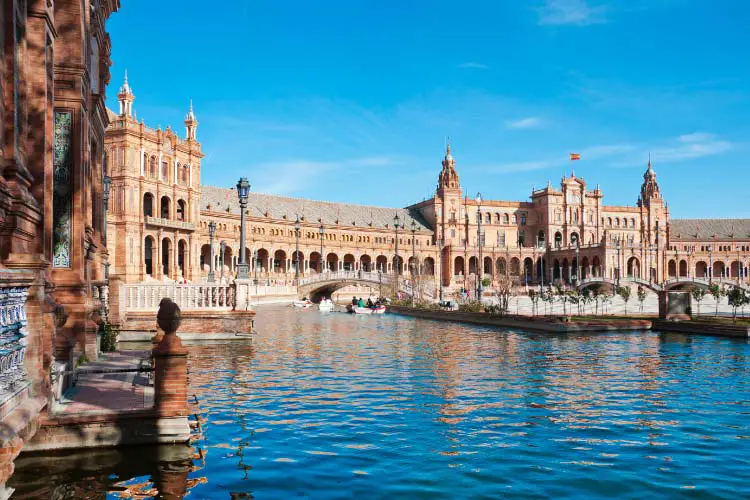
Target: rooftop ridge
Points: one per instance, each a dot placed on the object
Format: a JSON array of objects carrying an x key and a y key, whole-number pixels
[{"x": 299, "y": 198}]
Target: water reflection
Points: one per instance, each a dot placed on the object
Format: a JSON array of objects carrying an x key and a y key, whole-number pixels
[{"x": 334, "y": 406}]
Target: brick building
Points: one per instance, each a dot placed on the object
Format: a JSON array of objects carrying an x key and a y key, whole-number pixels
[
  {"x": 54, "y": 71},
  {"x": 159, "y": 227}
]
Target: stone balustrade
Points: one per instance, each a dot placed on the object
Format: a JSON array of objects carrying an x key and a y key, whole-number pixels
[
  {"x": 190, "y": 297},
  {"x": 12, "y": 340},
  {"x": 174, "y": 224}
]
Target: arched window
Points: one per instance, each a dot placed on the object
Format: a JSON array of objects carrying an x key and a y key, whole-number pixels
[
  {"x": 488, "y": 218},
  {"x": 148, "y": 205},
  {"x": 164, "y": 206},
  {"x": 181, "y": 210},
  {"x": 505, "y": 219},
  {"x": 558, "y": 239},
  {"x": 523, "y": 219}
]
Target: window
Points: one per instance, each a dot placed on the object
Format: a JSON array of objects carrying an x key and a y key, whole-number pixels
[
  {"x": 523, "y": 219},
  {"x": 505, "y": 218},
  {"x": 513, "y": 219},
  {"x": 501, "y": 239}
]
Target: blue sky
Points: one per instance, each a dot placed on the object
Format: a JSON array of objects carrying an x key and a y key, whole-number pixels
[{"x": 353, "y": 100}]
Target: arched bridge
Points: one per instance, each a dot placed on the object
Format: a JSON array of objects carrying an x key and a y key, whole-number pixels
[
  {"x": 670, "y": 284},
  {"x": 613, "y": 282},
  {"x": 324, "y": 284}
]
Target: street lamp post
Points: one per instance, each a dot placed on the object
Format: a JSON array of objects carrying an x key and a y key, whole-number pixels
[
  {"x": 414, "y": 268},
  {"x": 297, "y": 226},
  {"x": 440, "y": 268},
  {"x": 243, "y": 190},
  {"x": 322, "y": 264},
  {"x": 397, "y": 264},
  {"x": 480, "y": 263},
  {"x": 211, "y": 231},
  {"x": 107, "y": 181},
  {"x": 223, "y": 251}
]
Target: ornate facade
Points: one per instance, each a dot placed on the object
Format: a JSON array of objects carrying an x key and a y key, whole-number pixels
[
  {"x": 53, "y": 76},
  {"x": 559, "y": 234}
]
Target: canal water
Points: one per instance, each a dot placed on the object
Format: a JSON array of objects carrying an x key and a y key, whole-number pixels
[{"x": 338, "y": 406}]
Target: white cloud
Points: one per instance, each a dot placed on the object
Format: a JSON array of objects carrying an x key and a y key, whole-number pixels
[
  {"x": 472, "y": 65},
  {"x": 691, "y": 146},
  {"x": 525, "y": 123},
  {"x": 295, "y": 176},
  {"x": 572, "y": 12}
]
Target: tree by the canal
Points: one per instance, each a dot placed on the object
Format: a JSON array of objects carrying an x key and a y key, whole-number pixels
[
  {"x": 698, "y": 295},
  {"x": 624, "y": 293}
]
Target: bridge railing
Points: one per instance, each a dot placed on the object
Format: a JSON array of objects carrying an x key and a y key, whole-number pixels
[{"x": 372, "y": 276}]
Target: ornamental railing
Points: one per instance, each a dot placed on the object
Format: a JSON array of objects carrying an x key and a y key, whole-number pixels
[
  {"x": 175, "y": 224},
  {"x": 190, "y": 297},
  {"x": 12, "y": 340}
]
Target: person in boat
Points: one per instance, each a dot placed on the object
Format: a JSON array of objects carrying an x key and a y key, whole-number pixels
[
  {"x": 370, "y": 304},
  {"x": 361, "y": 303},
  {"x": 355, "y": 302}
]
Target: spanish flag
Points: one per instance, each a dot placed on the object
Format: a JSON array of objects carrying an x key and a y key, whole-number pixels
[{"x": 575, "y": 156}]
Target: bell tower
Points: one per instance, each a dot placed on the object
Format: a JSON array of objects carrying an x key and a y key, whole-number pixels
[
  {"x": 449, "y": 210},
  {"x": 126, "y": 98},
  {"x": 191, "y": 124}
]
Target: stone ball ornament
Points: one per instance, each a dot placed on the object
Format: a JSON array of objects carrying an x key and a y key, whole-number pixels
[{"x": 169, "y": 316}]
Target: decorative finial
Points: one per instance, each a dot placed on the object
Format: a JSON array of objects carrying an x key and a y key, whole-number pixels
[{"x": 126, "y": 76}]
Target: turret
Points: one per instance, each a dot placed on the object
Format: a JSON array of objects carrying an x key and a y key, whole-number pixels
[
  {"x": 126, "y": 98},
  {"x": 191, "y": 123},
  {"x": 650, "y": 188},
  {"x": 448, "y": 178}
]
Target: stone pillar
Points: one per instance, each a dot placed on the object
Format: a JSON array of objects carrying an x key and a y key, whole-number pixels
[{"x": 170, "y": 365}]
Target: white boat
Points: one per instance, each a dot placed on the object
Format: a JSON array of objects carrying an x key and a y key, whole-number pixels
[
  {"x": 326, "y": 306},
  {"x": 366, "y": 310},
  {"x": 304, "y": 304}
]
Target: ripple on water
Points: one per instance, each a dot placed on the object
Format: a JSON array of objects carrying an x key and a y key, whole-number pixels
[{"x": 334, "y": 406}]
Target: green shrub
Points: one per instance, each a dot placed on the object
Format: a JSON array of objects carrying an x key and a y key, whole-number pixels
[
  {"x": 109, "y": 337},
  {"x": 472, "y": 306}
]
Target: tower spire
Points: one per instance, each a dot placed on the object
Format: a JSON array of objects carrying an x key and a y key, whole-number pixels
[
  {"x": 191, "y": 123},
  {"x": 125, "y": 97}
]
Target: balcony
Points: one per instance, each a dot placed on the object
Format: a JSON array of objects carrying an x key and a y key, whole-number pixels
[{"x": 173, "y": 224}]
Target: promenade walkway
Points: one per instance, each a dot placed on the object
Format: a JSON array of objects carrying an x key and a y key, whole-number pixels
[{"x": 104, "y": 387}]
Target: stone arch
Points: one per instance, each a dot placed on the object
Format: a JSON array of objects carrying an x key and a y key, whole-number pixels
[
  {"x": 585, "y": 263},
  {"x": 298, "y": 261},
  {"x": 166, "y": 254},
  {"x": 501, "y": 266},
  {"x": 736, "y": 269},
  {"x": 558, "y": 239},
  {"x": 634, "y": 267},
  {"x": 458, "y": 266},
  {"x": 181, "y": 213},
  {"x": 149, "y": 246},
  {"x": 279, "y": 261},
  {"x": 349, "y": 262},
  {"x": 262, "y": 257},
  {"x": 398, "y": 264},
  {"x": 487, "y": 267},
  {"x": 413, "y": 265},
  {"x": 701, "y": 269},
  {"x": 672, "y": 268},
  {"x": 556, "y": 270},
  {"x": 528, "y": 268},
  {"x": 683, "y": 268},
  {"x": 164, "y": 204},
  {"x": 332, "y": 262},
  {"x": 575, "y": 239},
  {"x": 719, "y": 269},
  {"x": 182, "y": 257},
  {"x": 316, "y": 262},
  {"x": 515, "y": 267},
  {"x": 148, "y": 204},
  {"x": 473, "y": 265},
  {"x": 381, "y": 263},
  {"x": 596, "y": 267},
  {"x": 205, "y": 258},
  {"x": 365, "y": 263},
  {"x": 429, "y": 266},
  {"x": 566, "y": 270}
]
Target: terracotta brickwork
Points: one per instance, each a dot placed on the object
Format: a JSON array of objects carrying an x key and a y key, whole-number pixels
[{"x": 54, "y": 71}]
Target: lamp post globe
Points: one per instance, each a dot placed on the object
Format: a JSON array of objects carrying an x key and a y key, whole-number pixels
[{"x": 243, "y": 192}]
